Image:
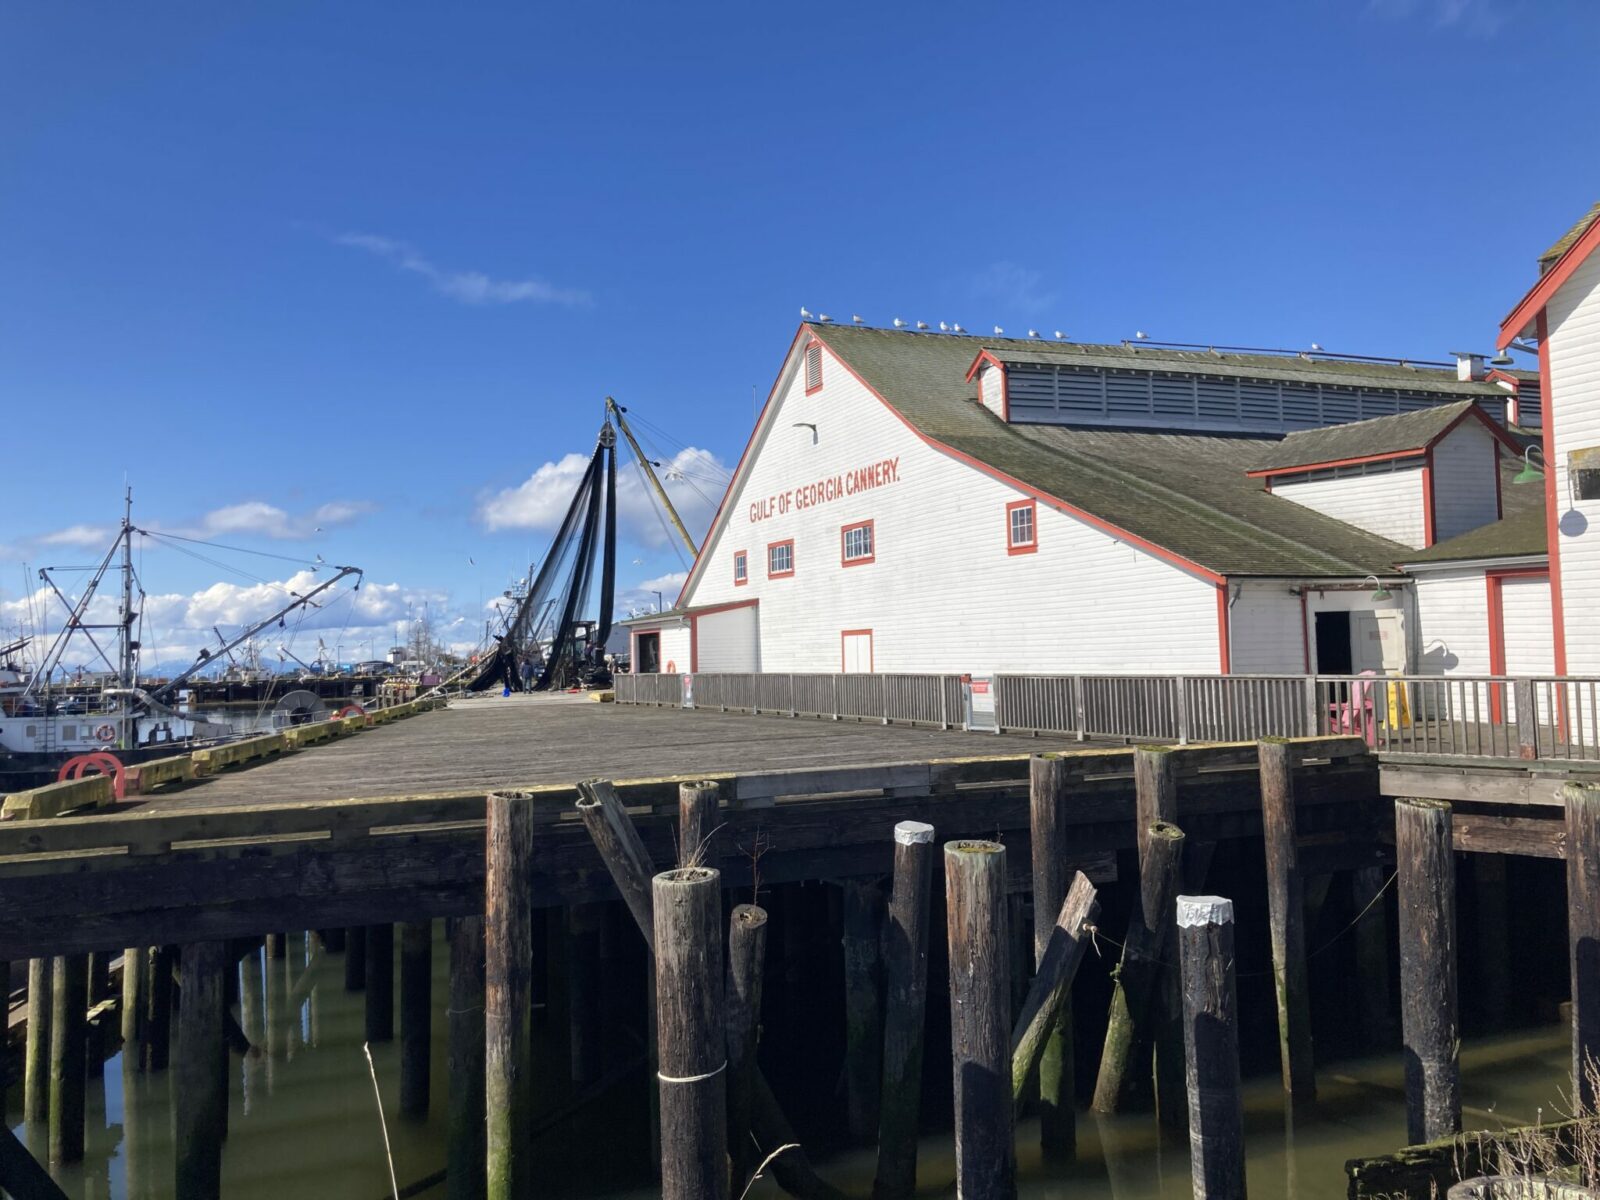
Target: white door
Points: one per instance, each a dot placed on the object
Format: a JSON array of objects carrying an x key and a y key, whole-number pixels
[{"x": 857, "y": 652}]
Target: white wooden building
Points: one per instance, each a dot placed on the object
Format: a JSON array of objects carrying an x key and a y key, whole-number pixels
[
  {"x": 1562, "y": 313},
  {"x": 920, "y": 502}
]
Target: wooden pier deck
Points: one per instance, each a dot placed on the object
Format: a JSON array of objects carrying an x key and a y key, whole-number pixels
[{"x": 484, "y": 744}]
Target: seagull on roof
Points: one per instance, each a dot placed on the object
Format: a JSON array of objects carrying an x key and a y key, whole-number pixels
[
  {"x": 899, "y": 324},
  {"x": 805, "y": 313},
  {"x": 1140, "y": 334},
  {"x": 1033, "y": 333},
  {"x": 998, "y": 331},
  {"x": 944, "y": 327},
  {"x": 856, "y": 320},
  {"x": 922, "y": 324},
  {"x": 1059, "y": 335},
  {"x": 956, "y": 328},
  {"x": 824, "y": 318}
]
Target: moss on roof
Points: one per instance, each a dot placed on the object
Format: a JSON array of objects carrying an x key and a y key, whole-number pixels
[
  {"x": 1187, "y": 493},
  {"x": 1363, "y": 439},
  {"x": 1518, "y": 535},
  {"x": 1564, "y": 243}
]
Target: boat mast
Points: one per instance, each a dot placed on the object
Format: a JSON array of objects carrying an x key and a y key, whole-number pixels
[
  {"x": 126, "y": 669},
  {"x": 617, "y": 410}
]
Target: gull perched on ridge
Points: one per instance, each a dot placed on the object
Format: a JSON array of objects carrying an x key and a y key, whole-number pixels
[{"x": 805, "y": 314}]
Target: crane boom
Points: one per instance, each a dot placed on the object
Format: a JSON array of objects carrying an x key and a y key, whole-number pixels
[{"x": 617, "y": 410}]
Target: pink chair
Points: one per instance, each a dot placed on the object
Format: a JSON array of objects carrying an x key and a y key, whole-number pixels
[{"x": 1357, "y": 714}]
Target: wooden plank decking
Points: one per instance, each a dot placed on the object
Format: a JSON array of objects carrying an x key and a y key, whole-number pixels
[{"x": 488, "y": 743}]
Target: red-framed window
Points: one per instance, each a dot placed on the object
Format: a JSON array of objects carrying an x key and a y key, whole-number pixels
[
  {"x": 741, "y": 568},
  {"x": 780, "y": 559},
  {"x": 813, "y": 367},
  {"x": 1022, "y": 527},
  {"x": 858, "y": 544}
]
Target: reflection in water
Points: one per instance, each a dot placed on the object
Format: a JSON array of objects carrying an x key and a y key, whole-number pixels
[{"x": 302, "y": 1119}]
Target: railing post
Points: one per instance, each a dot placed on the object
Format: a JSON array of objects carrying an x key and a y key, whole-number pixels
[
  {"x": 835, "y": 697},
  {"x": 944, "y": 703},
  {"x": 1313, "y": 714},
  {"x": 1079, "y": 711},
  {"x": 794, "y": 709},
  {"x": 1527, "y": 718},
  {"x": 1180, "y": 702}
]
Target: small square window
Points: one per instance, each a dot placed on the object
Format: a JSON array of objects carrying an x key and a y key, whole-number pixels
[
  {"x": 780, "y": 559},
  {"x": 741, "y": 568},
  {"x": 813, "y": 367},
  {"x": 857, "y": 544},
  {"x": 1021, "y": 535}
]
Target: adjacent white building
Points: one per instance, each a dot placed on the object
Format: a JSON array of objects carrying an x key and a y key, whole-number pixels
[{"x": 915, "y": 502}]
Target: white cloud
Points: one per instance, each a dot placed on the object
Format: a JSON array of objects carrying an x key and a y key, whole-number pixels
[
  {"x": 1019, "y": 288},
  {"x": 540, "y": 502},
  {"x": 78, "y": 535},
  {"x": 642, "y": 597},
  {"x": 261, "y": 519},
  {"x": 468, "y": 287},
  {"x": 1476, "y": 18}
]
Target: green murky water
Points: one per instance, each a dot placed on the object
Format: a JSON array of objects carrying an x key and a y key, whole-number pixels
[{"x": 304, "y": 1119}]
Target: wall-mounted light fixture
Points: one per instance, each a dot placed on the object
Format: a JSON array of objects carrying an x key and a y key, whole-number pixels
[
  {"x": 1380, "y": 592},
  {"x": 1529, "y": 472}
]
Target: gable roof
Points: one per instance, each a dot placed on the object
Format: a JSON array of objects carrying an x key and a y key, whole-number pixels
[
  {"x": 1520, "y": 535},
  {"x": 1556, "y": 266},
  {"x": 1186, "y": 494},
  {"x": 1380, "y": 438}
]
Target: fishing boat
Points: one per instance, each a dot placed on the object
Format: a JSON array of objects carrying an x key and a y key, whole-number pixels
[{"x": 49, "y": 730}]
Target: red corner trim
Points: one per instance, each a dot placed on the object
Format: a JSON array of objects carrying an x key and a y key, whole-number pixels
[
  {"x": 1026, "y": 547},
  {"x": 1552, "y": 516},
  {"x": 1430, "y": 522},
  {"x": 1224, "y": 642},
  {"x": 1531, "y": 307},
  {"x": 858, "y": 562},
  {"x": 1498, "y": 376}
]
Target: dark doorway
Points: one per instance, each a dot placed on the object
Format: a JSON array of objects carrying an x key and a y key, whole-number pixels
[
  {"x": 1333, "y": 643},
  {"x": 650, "y": 654}
]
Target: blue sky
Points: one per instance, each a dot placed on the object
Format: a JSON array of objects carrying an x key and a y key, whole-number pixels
[{"x": 355, "y": 279}]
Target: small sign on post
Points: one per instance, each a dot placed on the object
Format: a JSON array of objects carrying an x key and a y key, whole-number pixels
[
  {"x": 978, "y": 693},
  {"x": 688, "y": 690}
]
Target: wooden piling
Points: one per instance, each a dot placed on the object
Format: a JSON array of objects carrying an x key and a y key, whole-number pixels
[
  {"x": 69, "y": 991},
  {"x": 747, "y": 951},
  {"x": 1211, "y": 1047},
  {"x": 1427, "y": 892},
  {"x": 158, "y": 1018},
  {"x": 1373, "y": 975},
  {"x": 416, "y": 1016},
  {"x": 1583, "y": 931},
  {"x": 1048, "y": 796},
  {"x": 277, "y": 945},
  {"x": 1135, "y": 993},
  {"x": 697, "y": 822},
  {"x": 863, "y": 909},
  {"x": 905, "y": 962},
  {"x": 1286, "y": 906},
  {"x": 585, "y": 1031},
  {"x": 507, "y": 918},
  {"x": 980, "y": 1035},
  {"x": 200, "y": 1102},
  {"x": 1052, "y": 982},
  {"x": 36, "y": 1066},
  {"x": 464, "y": 1176},
  {"x": 692, "y": 1036},
  {"x": 135, "y": 983},
  {"x": 380, "y": 983},
  {"x": 355, "y": 958}
]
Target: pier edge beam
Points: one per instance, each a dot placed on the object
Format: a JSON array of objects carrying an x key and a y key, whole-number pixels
[
  {"x": 1583, "y": 926},
  {"x": 416, "y": 1017},
  {"x": 1428, "y": 1008},
  {"x": 200, "y": 1103},
  {"x": 1047, "y": 813},
  {"x": 1286, "y": 903},
  {"x": 1211, "y": 1047},
  {"x": 464, "y": 1175},
  {"x": 508, "y": 917},
  {"x": 691, "y": 1034},
  {"x": 980, "y": 1035}
]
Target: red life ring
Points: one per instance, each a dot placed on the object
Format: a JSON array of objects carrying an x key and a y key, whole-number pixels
[
  {"x": 672, "y": 667},
  {"x": 98, "y": 762},
  {"x": 105, "y": 731},
  {"x": 350, "y": 710}
]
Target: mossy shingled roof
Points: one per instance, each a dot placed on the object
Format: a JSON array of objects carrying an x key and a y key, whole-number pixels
[
  {"x": 1186, "y": 493},
  {"x": 1565, "y": 241},
  {"x": 1362, "y": 439}
]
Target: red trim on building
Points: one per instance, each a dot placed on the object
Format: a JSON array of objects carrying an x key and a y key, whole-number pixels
[
  {"x": 1531, "y": 308},
  {"x": 1493, "y": 581},
  {"x": 1024, "y": 547},
  {"x": 872, "y": 651},
  {"x": 813, "y": 347},
  {"x": 1224, "y": 641},
  {"x": 710, "y": 610},
  {"x": 1552, "y": 520},
  {"x": 1475, "y": 412},
  {"x": 1496, "y": 375},
  {"x": 771, "y": 574},
  {"x": 737, "y": 555},
  {"x": 1430, "y": 522},
  {"x": 872, "y": 539}
]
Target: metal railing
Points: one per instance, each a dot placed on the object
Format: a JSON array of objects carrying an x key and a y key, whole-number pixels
[{"x": 1481, "y": 716}]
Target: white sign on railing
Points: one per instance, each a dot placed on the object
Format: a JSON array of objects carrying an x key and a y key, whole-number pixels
[{"x": 978, "y": 691}]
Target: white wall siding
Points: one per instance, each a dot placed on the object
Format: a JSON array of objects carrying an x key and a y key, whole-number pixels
[
  {"x": 729, "y": 640},
  {"x": 1573, "y": 407},
  {"x": 1465, "y": 492},
  {"x": 1525, "y": 610},
  {"x": 1453, "y": 620},
  {"x": 992, "y": 390},
  {"x": 1387, "y": 504},
  {"x": 1268, "y": 632},
  {"x": 943, "y": 593}
]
